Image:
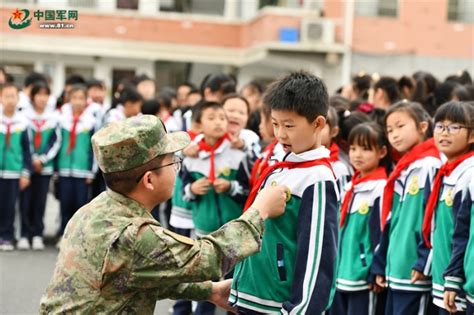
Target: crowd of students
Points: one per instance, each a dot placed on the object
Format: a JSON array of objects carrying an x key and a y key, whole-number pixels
[{"x": 379, "y": 217}]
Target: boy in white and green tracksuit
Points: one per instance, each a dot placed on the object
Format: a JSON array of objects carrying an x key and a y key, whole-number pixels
[{"x": 459, "y": 275}]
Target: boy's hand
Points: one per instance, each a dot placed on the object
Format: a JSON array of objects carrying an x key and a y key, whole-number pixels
[
  {"x": 220, "y": 295},
  {"x": 37, "y": 166},
  {"x": 375, "y": 288},
  {"x": 416, "y": 275},
  {"x": 24, "y": 182},
  {"x": 236, "y": 142},
  {"x": 271, "y": 201},
  {"x": 449, "y": 297},
  {"x": 221, "y": 185},
  {"x": 201, "y": 186},
  {"x": 191, "y": 150},
  {"x": 380, "y": 281}
]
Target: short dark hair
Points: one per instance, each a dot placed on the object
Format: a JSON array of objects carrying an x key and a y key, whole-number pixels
[
  {"x": 299, "y": 92},
  {"x": 190, "y": 85},
  {"x": 197, "y": 114},
  {"x": 75, "y": 79},
  {"x": 238, "y": 96},
  {"x": 390, "y": 86},
  {"x": 457, "y": 112},
  {"x": 150, "y": 107},
  {"x": 78, "y": 87},
  {"x": 218, "y": 82},
  {"x": 95, "y": 83},
  {"x": 7, "y": 85},
  {"x": 130, "y": 94},
  {"x": 140, "y": 78},
  {"x": 37, "y": 88},
  {"x": 125, "y": 181},
  {"x": 255, "y": 86},
  {"x": 34, "y": 77}
]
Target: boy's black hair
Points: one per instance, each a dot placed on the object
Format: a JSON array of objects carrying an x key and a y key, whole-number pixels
[
  {"x": 390, "y": 86},
  {"x": 140, "y": 78},
  {"x": 130, "y": 95},
  {"x": 7, "y": 85},
  {"x": 78, "y": 87},
  {"x": 75, "y": 79},
  {"x": 218, "y": 82},
  {"x": 300, "y": 92},
  {"x": 371, "y": 135},
  {"x": 197, "y": 114},
  {"x": 415, "y": 111},
  {"x": 190, "y": 85},
  {"x": 34, "y": 77},
  {"x": 38, "y": 87},
  {"x": 95, "y": 83},
  {"x": 255, "y": 86},
  {"x": 151, "y": 107}
]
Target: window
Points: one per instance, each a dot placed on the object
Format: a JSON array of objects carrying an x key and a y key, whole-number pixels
[
  {"x": 83, "y": 3},
  {"x": 388, "y": 8},
  {"x": 461, "y": 11},
  {"x": 127, "y": 4}
]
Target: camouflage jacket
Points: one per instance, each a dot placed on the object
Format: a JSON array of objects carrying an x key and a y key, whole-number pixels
[{"x": 115, "y": 258}]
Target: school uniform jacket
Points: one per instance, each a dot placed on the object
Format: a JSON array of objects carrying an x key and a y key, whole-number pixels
[
  {"x": 459, "y": 275},
  {"x": 295, "y": 271},
  {"x": 397, "y": 253},
  {"x": 47, "y": 124},
  {"x": 212, "y": 210},
  {"x": 79, "y": 162},
  {"x": 15, "y": 157},
  {"x": 359, "y": 237}
]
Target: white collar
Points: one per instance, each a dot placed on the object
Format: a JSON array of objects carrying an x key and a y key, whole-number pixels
[{"x": 310, "y": 155}]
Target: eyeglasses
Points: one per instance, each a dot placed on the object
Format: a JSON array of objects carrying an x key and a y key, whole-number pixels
[
  {"x": 452, "y": 129},
  {"x": 177, "y": 162}
]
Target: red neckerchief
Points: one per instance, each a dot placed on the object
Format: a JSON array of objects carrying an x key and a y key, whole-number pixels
[
  {"x": 262, "y": 163},
  {"x": 284, "y": 164},
  {"x": 203, "y": 146},
  {"x": 73, "y": 133},
  {"x": 39, "y": 123},
  {"x": 334, "y": 152},
  {"x": 166, "y": 117},
  {"x": 192, "y": 134},
  {"x": 379, "y": 173},
  {"x": 418, "y": 152},
  {"x": 8, "y": 133},
  {"x": 445, "y": 170}
]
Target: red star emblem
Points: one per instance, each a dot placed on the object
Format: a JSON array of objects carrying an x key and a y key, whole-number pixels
[{"x": 17, "y": 14}]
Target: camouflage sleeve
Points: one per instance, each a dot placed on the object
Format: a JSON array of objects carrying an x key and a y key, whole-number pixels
[
  {"x": 163, "y": 258},
  {"x": 198, "y": 291}
]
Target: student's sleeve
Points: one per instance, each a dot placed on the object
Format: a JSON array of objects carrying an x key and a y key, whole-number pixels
[
  {"x": 380, "y": 253},
  {"x": 92, "y": 160},
  {"x": 239, "y": 187},
  {"x": 374, "y": 229},
  {"x": 454, "y": 274},
  {"x": 315, "y": 267},
  {"x": 53, "y": 146},
  {"x": 162, "y": 258},
  {"x": 187, "y": 180},
  {"x": 27, "y": 164}
]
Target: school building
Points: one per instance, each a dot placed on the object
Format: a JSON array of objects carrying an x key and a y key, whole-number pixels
[{"x": 177, "y": 40}]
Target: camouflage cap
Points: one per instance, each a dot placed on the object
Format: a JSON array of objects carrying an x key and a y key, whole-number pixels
[{"x": 132, "y": 142}]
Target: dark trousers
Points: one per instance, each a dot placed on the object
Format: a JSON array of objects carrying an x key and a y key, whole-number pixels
[
  {"x": 442, "y": 311},
  {"x": 9, "y": 191},
  {"x": 98, "y": 185},
  {"x": 407, "y": 302},
  {"x": 353, "y": 303},
  {"x": 32, "y": 206},
  {"x": 73, "y": 194},
  {"x": 469, "y": 308}
]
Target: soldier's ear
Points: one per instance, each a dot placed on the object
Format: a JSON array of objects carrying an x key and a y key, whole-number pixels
[{"x": 147, "y": 181}]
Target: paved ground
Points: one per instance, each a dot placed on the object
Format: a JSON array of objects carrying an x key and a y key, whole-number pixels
[{"x": 25, "y": 275}]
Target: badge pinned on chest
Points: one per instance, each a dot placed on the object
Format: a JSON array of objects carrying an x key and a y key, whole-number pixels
[
  {"x": 363, "y": 207},
  {"x": 225, "y": 171},
  {"x": 414, "y": 188},
  {"x": 448, "y": 200},
  {"x": 288, "y": 192}
]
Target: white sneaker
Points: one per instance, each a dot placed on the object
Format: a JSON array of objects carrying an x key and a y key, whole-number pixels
[
  {"x": 37, "y": 243},
  {"x": 23, "y": 244},
  {"x": 6, "y": 246},
  {"x": 58, "y": 244}
]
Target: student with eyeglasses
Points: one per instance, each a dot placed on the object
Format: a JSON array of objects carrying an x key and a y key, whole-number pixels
[{"x": 116, "y": 258}]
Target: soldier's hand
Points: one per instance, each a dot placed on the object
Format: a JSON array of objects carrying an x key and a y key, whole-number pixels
[
  {"x": 220, "y": 295},
  {"x": 221, "y": 185},
  {"x": 271, "y": 201},
  {"x": 201, "y": 186}
]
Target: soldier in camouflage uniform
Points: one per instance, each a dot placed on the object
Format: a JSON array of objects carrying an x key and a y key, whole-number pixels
[{"x": 115, "y": 258}]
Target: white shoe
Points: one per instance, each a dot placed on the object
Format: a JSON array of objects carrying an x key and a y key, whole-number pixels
[
  {"x": 37, "y": 243},
  {"x": 58, "y": 244},
  {"x": 6, "y": 246},
  {"x": 23, "y": 244}
]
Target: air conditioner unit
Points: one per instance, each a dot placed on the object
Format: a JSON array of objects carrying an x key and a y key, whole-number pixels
[{"x": 317, "y": 31}]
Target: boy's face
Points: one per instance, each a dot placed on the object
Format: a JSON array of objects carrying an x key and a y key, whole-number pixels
[
  {"x": 96, "y": 94},
  {"x": 77, "y": 99},
  {"x": 295, "y": 133},
  {"x": 41, "y": 100},
  {"x": 237, "y": 115},
  {"x": 213, "y": 122},
  {"x": 9, "y": 98}
]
